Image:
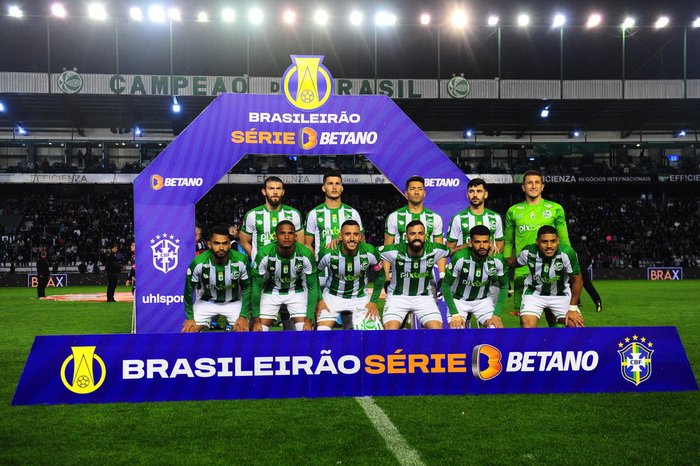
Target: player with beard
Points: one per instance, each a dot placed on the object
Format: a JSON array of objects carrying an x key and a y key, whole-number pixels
[
  {"x": 475, "y": 214},
  {"x": 222, "y": 276},
  {"x": 469, "y": 279},
  {"x": 411, "y": 265},
  {"x": 284, "y": 273},
  {"x": 347, "y": 267},
  {"x": 553, "y": 280},
  {"x": 259, "y": 224}
]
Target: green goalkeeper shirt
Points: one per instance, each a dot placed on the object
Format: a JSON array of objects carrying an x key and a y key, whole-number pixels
[
  {"x": 523, "y": 220},
  {"x": 219, "y": 283}
]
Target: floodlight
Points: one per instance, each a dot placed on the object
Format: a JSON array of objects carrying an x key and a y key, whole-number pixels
[
  {"x": 594, "y": 20},
  {"x": 321, "y": 17},
  {"x": 58, "y": 10},
  {"x": 15, "y": 11},
  {"x": 255, "y": 15},
  {"x": 136, "y": 13},
  {"x": 97, "y": 11},
  {"x": 156, "y": 13}
]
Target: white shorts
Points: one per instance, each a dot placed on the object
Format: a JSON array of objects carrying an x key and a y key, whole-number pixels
[
  {"x": 481, "y": 308},
  {"x": 424, "y": 307},
  {"x": 205, "y": 311},
  {"x": 336, "y": 305},
  {"x": 296, "y": 304},
  {"x": 533, "y": 305}
]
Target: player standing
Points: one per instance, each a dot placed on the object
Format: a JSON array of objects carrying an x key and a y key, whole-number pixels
[
  {"x": 222, "y": 276},
  {"x": 523, "y": 220},
  {"x": 468, "y": 282},
  {"x": 411, "y": 264},
  {"x": 259, "y": 224},
  {"x": 475, "y": 214},
  {"x": 284, "y": 273},
  {"x": 347, "y": 267},
  {"x": 553, "y": 280}
]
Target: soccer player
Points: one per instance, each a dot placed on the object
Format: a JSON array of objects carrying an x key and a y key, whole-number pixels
[
  {"x": 397, "y": 221},
  {"x": 553, "y": 280},
  {"x": 523, "y": 220},
  {"x": 324, "y": 221},
  {"x": 475, "y": 214},
  {"x": 284, "y": 272},
  {"x": 411, "y": 265},
  {"x": 468, "y": 280},
  {"x": 347, "y": 267},
  {"x": 259, "y": 224},
  {"x": 200, "y": 245},
  {"x": 222, "y": 275}
]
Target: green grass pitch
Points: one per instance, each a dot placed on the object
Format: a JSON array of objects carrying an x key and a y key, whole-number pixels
[{"x": 621, "y": 428}]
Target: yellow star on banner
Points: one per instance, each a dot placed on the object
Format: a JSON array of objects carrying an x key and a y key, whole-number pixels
[
  {"x": 627, "y": 340},
  {"x": 651, "y": 344},
  {"x": 644, "y": 339},
  {"x": 635, "y": 337},
  {"x": 619, "y": 345}
]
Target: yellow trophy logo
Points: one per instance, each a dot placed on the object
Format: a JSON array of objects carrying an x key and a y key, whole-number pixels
[
  {"x": 83, "y": 380},
  {"x": 307, "y": 84}
]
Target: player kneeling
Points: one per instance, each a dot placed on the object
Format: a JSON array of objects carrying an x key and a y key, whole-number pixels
[
  {"x": 284, "y": 272},
  {"x": 553, "y": 281},
  {"x": 222, "y": 276},
  {"x": 468, "y": 279},
  {"x": 346, "y": 269},
  {"x": 411, "y": 264}
]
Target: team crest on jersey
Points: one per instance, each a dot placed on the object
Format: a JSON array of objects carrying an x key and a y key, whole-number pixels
[
  {"x": 220, "y": 276},
  {"x": 478, "y": 274},
  {"x": 165, "y": 249},
  {"x": 635, "y": 359},
  {"x": 547, "y": 213},
  {"x": 532, "y": 215},
  {"x": 415, "y": 265},
  {"x": 545, "y": 268},
  {"x": 285, "y": 269}
]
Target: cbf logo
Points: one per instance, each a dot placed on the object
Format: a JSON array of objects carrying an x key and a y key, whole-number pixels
[
  {"x": 635, "y": 359},
  {"x": 165, "y": 252},
  {"x": 307, "y": 84},
  {"x": 84, "y": 378}
]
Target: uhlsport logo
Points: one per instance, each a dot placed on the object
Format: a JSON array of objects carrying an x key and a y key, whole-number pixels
[
  {"x": 84, "y": 379},
  {"x": 165, "y": 252},
  {"x": 458, "y": 87},
  {"x": 307, "y": 84},
  {"x": 635, "y": 359},
  {"x": 70, "y": 82}
]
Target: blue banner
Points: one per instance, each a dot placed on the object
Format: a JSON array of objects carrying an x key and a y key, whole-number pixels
[{"x": 217, "y": 366}]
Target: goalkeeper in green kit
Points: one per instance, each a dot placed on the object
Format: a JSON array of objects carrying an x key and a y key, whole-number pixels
[{"x": 523, "y": 220}]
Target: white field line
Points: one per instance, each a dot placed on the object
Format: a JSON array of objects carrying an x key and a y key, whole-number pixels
[{"x": 391, "y": 435}]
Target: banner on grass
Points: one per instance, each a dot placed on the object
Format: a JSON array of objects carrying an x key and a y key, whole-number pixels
[{"x": 216, "y": 366}]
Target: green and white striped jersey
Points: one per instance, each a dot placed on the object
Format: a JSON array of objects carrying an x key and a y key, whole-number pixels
[
  {"x": 260, "y": 223},
  {"x": 397, "y": 220},
  {"x": 218, "y": 283},
  {"x": 284, "y": 275},
  {"x": 465, "y": 220},
  {"x": 323, "y": 223},
  {"x": 470, "y": 279},
  {"x": 347, "y": 275},
  {"x": 548, "y": 276},
  {"x": 410, "y": 276}
]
